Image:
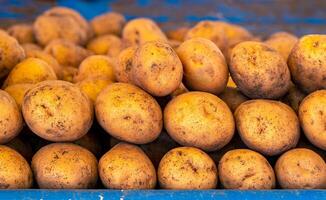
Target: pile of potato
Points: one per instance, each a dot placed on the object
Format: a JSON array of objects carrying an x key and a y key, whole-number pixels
[{"x": 123, "y": 105}]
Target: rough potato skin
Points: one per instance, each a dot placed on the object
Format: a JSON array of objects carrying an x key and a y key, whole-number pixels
[
  {"x": 93, "y": 86},
  {"x": 11, "y": 121},
  {"x": 232, "y": 97},
  {"x": 15, "y": 172},
  {"x": 200, "y": 120},
  {"x": 301, "y": 168},
  {"x": 108, "y": 23},
  {"x": 180, "y": 90},
  {"x": 259, "y": 71},
  {"x": 126, "y": 166},
  {"x": 246, "y": 170},
  {"x": 123, "y": 69},
  {"x": 294, "y": 98},
  {"x": 18, "y": 92},
  {"x": 42, "y": 103},
  {"x": 267, "y": 126},
  {"x": 205, "y": 68},
  {"x": 64, "y": 166},
  {"x": 110, "y": 45},
  {"x": 22, "y": 32},
  {"x": 312, "y": 115},
  {"x": 157, "y": 68},
  {"x": 128, "y": 113},
  {"x": 187, "y": 168},
  {"x": 307, "y": 63}
]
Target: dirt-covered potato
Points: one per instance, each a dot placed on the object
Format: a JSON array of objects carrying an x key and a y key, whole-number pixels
[
  {"x": 108, "y": 23},
  {"x": 69, "y": 73},
  {"x": 157, "y": 68},
  {"x": 126, "y": 166},
  {"x": 246, "y": 170},
  {"x": 31, "y": 47},
  {"x": 11, "y": 53},
  {"x": 204, "y": 65},
  {"x": 128, "y": 113},
  {"x": 105, "y": 45},
  {"x": 61, "y": 23},
  {"x": 234, "y": 34},
  {"x": 312, "y": 115},
  {"x": 307, "y": 63},
  {"x": 67, "y": 53},
  {"x": 22, "y": 146},
  {"x": 301, "y": 168},
  {"x": 187, "y": 168},
  {"x": 22, "y": 32},
  {"x": 57, "y": 111},
  {"x": 259, "y": 71},
  {"x": 232, "y": 97},
  {"x": 93, "y": 86},
  {"x": 267, "y": 126},
  {"x": 18, "y": 91},
  {"x": 30, "y": 70},
  {"x": 180, "y": 90},
  {"x": 92, "y": 142},
  {"x": 199, "y": 119},
  {"x": 15, "y": 172},
  {"x": 123, "y": 67},
  {"x": 11, "y": 121},
  {"x": 64, "y": 166},
  {"x": 282, "y": 42},
  {"x": 96, "y": 66},
  {"x": 294, "y": 97},
  {"x": 141, "y": 30},
  {"x": 177, "y": 34}
]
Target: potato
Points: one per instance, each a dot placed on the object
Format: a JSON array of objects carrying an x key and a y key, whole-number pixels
[
  {"x": 92, "y": 142},
  {"x": 231, "y": 83},
  {"x": 267, "y": 126},
  {"x": 93, "y": 86},
  {"x": 124, "y": 64},
  {"x": 141, "y": 30},
  {"x": 11, "y": 121},
  {"x": 126, "y": 166},
  {"x": 96, "y": 66},
  {"x": 259, "y": 71},
  {"x": 30, "y": 47},
  {"x": 64, "y": 166},
  {"x": 204, "y": 65},
  {"x": 180, "y": 90},
  {"x": 68, "y": 73},
  {"x": 245, "y": 169},
  {"x": 123, "y": 109},
  {"x": 174, "y": 44},
  {"x": 42, "y": 103},
  {"x": 282, "y": 42},
  {"x": 22, "y": 146},
  {"x": 200, "y": 120},
  {"x": 15, "y": 172},
  {"x": 294, "y": 97},
  {"x": 312, "y": 115},
  {"x": 178, "y": 34},
  {"x": 187, "y": 168},
  {"x": 105, "y": 45},
  {"x": 301, "y": 168},
  {"x": 232, "y": 97},
  {"x": 108, "y": 23},
  {"x": 30, "y": 70},
  {"x": 11, "y": 53},
  {"x": 18, "y": 91},
  {"x": 22, "y": 32},
  {"x": 67, "y": 53},
  {"x": 307, "y": 63},
  {"x": 156, "y": 68}
]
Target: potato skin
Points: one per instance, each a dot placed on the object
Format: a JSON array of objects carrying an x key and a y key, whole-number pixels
[
  {"x": 301, "y": 168},
  {"x": 312, "y": 115},
  {"x": 108, "y": 23},
  {"x": 294, "y": 98},
  {"x": 93, "y": 86},
  {"x": 15, "y": 172},
  {"x": 64, "y": 166},
  {"x": 18, "y": 92},
  {"x": 232, "y": 97},
  {"x": 267, "y": 126},
  {"x": 187, "y": 168},
  {"x": 245, "y": 169},
  {"x": 156, "y": 68},
  {"x": 126, "y": 166},
  {"x": 123, "y": 109},
  {"x": 259, "y": 71},
  {"x": 22, "y": 32},
  {"x": 40, "y": 109},
  {"x": 109, "y": 45},
  {"x": 124, "y": 65},
  {"x": 200, "y": 120},
  {"x": 204, "y": 65},
  {"x": 307, "y": 63}
]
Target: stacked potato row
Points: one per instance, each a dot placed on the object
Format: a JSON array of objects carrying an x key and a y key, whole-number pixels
[{"x": 123, "y": 105}]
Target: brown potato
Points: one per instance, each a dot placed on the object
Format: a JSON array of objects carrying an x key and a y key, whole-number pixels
[
  {"x": 11, "y": 121},
  {"x": 204, "y": 65},
  {"x": 64, "y": 166},
  {"x": 93, "y": 86},
  {"x": 156, "y": 68},
  {"x": 18, "y": 92},
  {"x": 187, "y": 168},
  {"x": 126, "y": 166},
  {"x": 22, "y": 32},
  {"x": 282, "y": 42},
  {"x": 267, "y": 126},
  {"x": 124, "y": 64},
  {"x": 178, "y": 34},
  {"x": 301, "y": 169},
  {"x": 42, "y": 103},
  {"x": 200, "y": 120},
  {"x": 69, "y": 73},
  {"x": 180, "y": 90},
  {"x": 312, "y": 115},
  {"x": 259, "y": 71},
  {"x": 15, "y": 172},
  {"x": 294, "y": 98},
  {"x": 246, "y": 170},
  {"x": 232, "y": 97},
  {"x": 105, "y": 45},
  {"x": 30, "y": 47},
  {"x": 108, "y": 23},
  {"x": 123, "y": 109},
  {"x": 307, "y": 63}
]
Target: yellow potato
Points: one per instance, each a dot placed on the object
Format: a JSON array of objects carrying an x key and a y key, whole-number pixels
[
  {"x": 18, "y": 91},
  {"x": 68, "y": 73},
  {"x": 30, "y": 47},
  {"x": 93, "y": 86},
  {"x": 22, "y": 32},
  {"x": 178, "y": 34},
  {"x": 233, "y": 97},
  {"x": 124, "y": 64},
  {"x": 294, "y": 98},
  {"x": 180, "y": 90},
  {"x": 108, "y": 23},
  {"x": 282, "y": 42},
  {"x": 105, "y": 45}
]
